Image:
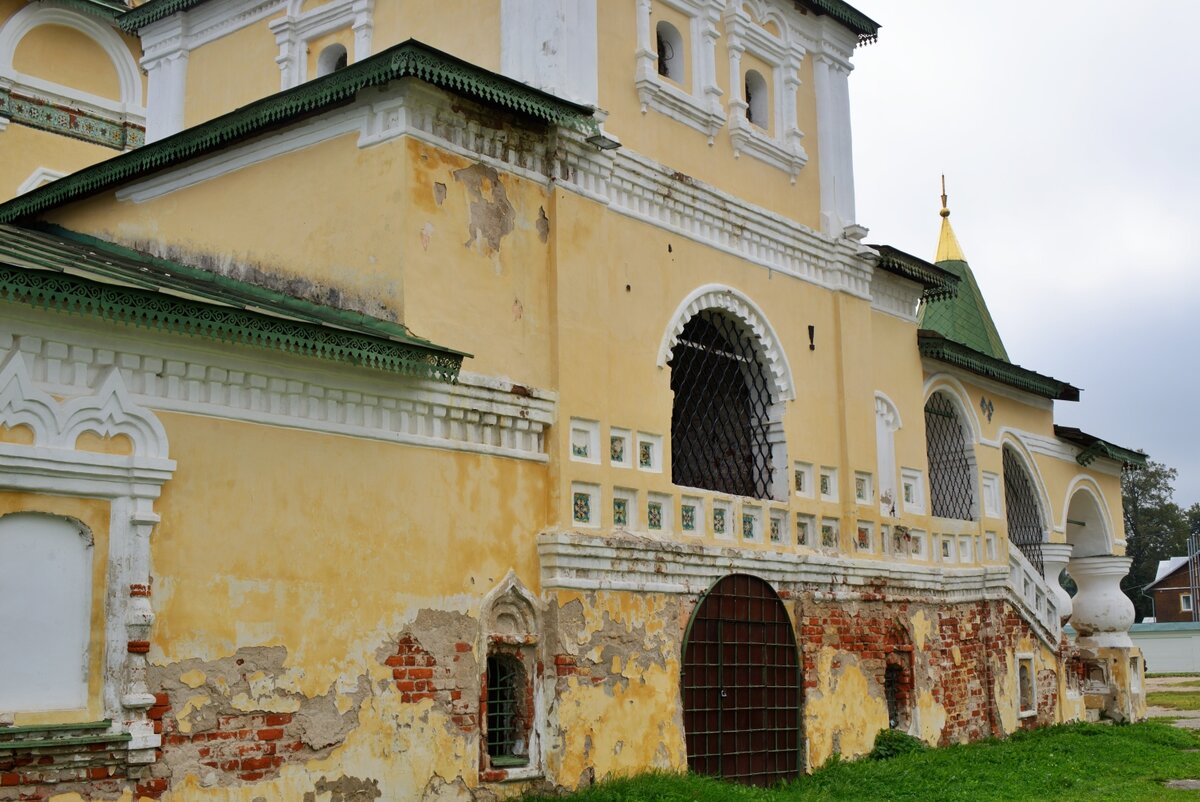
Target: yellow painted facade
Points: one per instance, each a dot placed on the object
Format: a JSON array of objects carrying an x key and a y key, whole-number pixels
[{"x": 339, "y": 559}]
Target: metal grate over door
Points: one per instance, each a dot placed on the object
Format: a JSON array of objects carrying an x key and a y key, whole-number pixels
[
  {"x": 741, "y": 685},
  {"x": 719, "y": 419},
  {"x": 951, "y": 472},
  {"x": 1024, "y": 522}
]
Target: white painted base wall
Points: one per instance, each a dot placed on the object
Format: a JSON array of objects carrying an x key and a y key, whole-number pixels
[{"x": 1168, "y": 648}]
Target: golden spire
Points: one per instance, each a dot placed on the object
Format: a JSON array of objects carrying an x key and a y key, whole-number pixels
[{"x": 948, "y": 249}]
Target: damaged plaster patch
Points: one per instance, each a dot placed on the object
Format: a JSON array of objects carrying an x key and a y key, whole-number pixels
[
  {"x": 426, "y": 235},
  {"x": 439, "y": 193},
  {"x": 345, "y": 789},
  {"x": 543, "y": 225},
  {"x": 491, "y": 214},
  {"x": 267, "y": 276},
  {"x": 241, "y": 718}
]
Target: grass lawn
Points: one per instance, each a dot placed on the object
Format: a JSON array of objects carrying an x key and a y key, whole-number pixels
[
  {"x": 1180, "y": 700},
  {"x": 1069, "y": 762}
]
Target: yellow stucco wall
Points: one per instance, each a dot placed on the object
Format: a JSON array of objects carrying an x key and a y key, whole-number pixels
[
  {"x": 231, "y": 71},
  {"x": 26, "y": 149},
  {"x": 68, "y": 57}
]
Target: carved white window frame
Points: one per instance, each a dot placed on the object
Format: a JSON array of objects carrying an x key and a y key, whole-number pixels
[
  {"x": 52, "y": 465},
  {"x": 511, "y": 615},
  {"x": 783, "y": 54},
  {"x": 296, "y": 29},
  {"x": 700, "y": 107},
  {"x": 887, "y": 423}
]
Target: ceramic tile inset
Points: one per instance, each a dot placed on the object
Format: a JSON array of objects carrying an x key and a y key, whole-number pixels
[
  {"x": 654, "y": 516},
  {"x": 620, "y": 512},
  {"x": 582, "y": 508}
]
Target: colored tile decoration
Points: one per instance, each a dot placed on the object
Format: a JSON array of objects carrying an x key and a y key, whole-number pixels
[
  {"x": 72, "y": 122},
  {"x": 860, "y": 488},
  {"x": 645, "y": 454},
  {"x": 654, "y": 514},
  {"x": 718, "y": 521},
  {"x": 864, "y": 537},
  {"x": 582, "y": 508},
  {"x": 799, "y": 480},
  {"x": 688, "y": 513},
  {"x": 801, "y": 531},
  {"x": 580, "y": 451},
  {"x": 824, "y": 484},
  {"x": 747, "y": 526},
  {"x": 616, "y": 449},
  {"x": 776, "y": 530},
  {"x": 828, "y": 536},
  {"x": 620, "y": 512},
  {"x": 908, "y": 493}
]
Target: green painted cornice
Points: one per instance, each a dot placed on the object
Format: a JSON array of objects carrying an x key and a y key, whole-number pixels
[
  {"x": 938, "y": 283},
  {"x": 866, "y": 28},
  {"x": 934, "y": 345},
  {"x": 57, "y": 269},
  {"x": 1095, "y": 447},
  {"x": 407, "y": 59}
]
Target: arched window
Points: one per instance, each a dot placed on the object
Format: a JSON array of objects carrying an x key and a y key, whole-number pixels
[
  {"x": 1025, "y": 530},
  {"x": 951, "y": 460},
  {"x": 1027, "y": 689},
  {"x": 509, "y": 714},
  {"x": 508, "y": 711},
  {"x": 45, "y": 612},
  {"x": 887, "y": 421},
  {"x": 722, "y": 419},
  {"x": 757, "y": 100},
  {"x": 331, "y": 59},
  {"x": 670, "y": 51}
]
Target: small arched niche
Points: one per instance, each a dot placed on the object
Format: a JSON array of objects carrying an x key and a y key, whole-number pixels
[
  {"x": 757, "y": 100},
  {"x": 332, "y": 58},
  {"x": 669, "y": 43}
]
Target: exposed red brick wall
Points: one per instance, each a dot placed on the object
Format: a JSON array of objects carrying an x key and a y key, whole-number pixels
[{"x": 418, "y": 676}]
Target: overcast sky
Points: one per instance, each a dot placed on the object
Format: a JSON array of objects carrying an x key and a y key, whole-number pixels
[{"x": 1069, "y": 133}]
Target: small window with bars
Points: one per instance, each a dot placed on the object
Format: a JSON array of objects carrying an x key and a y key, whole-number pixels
[
  {"x": 508, "y": 713},
  {"x": 1023, "y": 514},
  {"x": 951, "y": 461}
]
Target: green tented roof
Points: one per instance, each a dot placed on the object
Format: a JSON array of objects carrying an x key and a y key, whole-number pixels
[
  {"x": 938, "y": 283},
  {"x": 407, "y": 59},
  {"x": 54, "y": 268},
  {"x": 1095, "y": 447},
  {"x": 934, "y": 345},
  {"x": 965, "y": 317}
]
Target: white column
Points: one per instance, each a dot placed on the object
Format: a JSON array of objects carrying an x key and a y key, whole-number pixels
[
  {"x": 1054, "y": 559},
  {"x": 826, "y": 134},
  {"x": 1102, "y": 613},
  {"x": 166, "y": 78},
  {"x": 551, "y": 45}
]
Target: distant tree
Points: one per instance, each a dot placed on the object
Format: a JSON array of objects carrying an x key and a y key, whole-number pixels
[{"x": 1155, "y": 527}]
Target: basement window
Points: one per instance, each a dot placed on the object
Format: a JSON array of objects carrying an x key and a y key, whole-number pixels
[
  {"x": 508, "y": 711},
  {"x": 1026, "y": 687},
  {"x": 891, "y": 692}
]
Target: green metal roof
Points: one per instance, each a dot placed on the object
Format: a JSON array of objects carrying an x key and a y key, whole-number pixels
[
  {"x": 108, "y": 10},
  {"x": 1095, "y": 447},
  {"x": 407, "y": 59},
  {"x": 153, "y": 11},
  {"x": 51, "y": 267},
  {"x": 938, "y": 283},
  {"x": 965, "y": 317},
  {"x": 934, "y": 345},
  {"x": 866, "y": 28}
]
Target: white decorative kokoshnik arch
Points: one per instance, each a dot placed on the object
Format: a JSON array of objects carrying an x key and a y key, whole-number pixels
[
  {"x": 52, "y": 465},
  {"x": 737, "y": 305},
  {"x": 35, "y": 15}
]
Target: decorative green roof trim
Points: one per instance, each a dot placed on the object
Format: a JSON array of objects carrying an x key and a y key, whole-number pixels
[
  {"x": 938, "y": 283},
  {"x": 153, "y": 11},
  {"x": 175, "y": 297},
  {"x": 407, "y": 59},
  {"x": 1095, "y": 447},
  {"x": 935, "y": 346},
  {"x": 866, "y": 28},
  {"x": 107, "y": 10}
]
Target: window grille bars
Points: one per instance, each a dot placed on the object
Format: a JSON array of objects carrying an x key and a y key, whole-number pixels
[
  {"x": 504, "y": 732},
  {"x": 891, "y": 692},
  {"x": 951, "y": 468},
  {"x": 719, "y": 420},
  {"x": 1024, "y": 520}
]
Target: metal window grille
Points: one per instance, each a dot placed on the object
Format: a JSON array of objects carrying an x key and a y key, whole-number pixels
[
  {"x": 1024, "y": 520},
  {"x": 505, "y": 733},
  {"x": 891, "y": 692},
  {"x": 951, "y": 469},
  {"x": 719, "y": 421},
  {"x": 741, "y": 683}
]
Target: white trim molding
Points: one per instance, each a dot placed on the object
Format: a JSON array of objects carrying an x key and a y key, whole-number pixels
[
  {"x": 294, "y": 30},
  {"x": 698, "y": 106},
  {"x": 552, "y": 45},
  {"x": 738, "y": 304},
  {"x": 42, "y": 175},
  {"x": 784, "y": 54},
  {"x": 52, "y": 465}
]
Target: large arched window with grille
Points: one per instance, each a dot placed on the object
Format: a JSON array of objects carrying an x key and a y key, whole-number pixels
[
  {"x": 1025, "y": 529},
  {"x": 951, "y": 460},
  {"x": 722, "y": 421}
]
